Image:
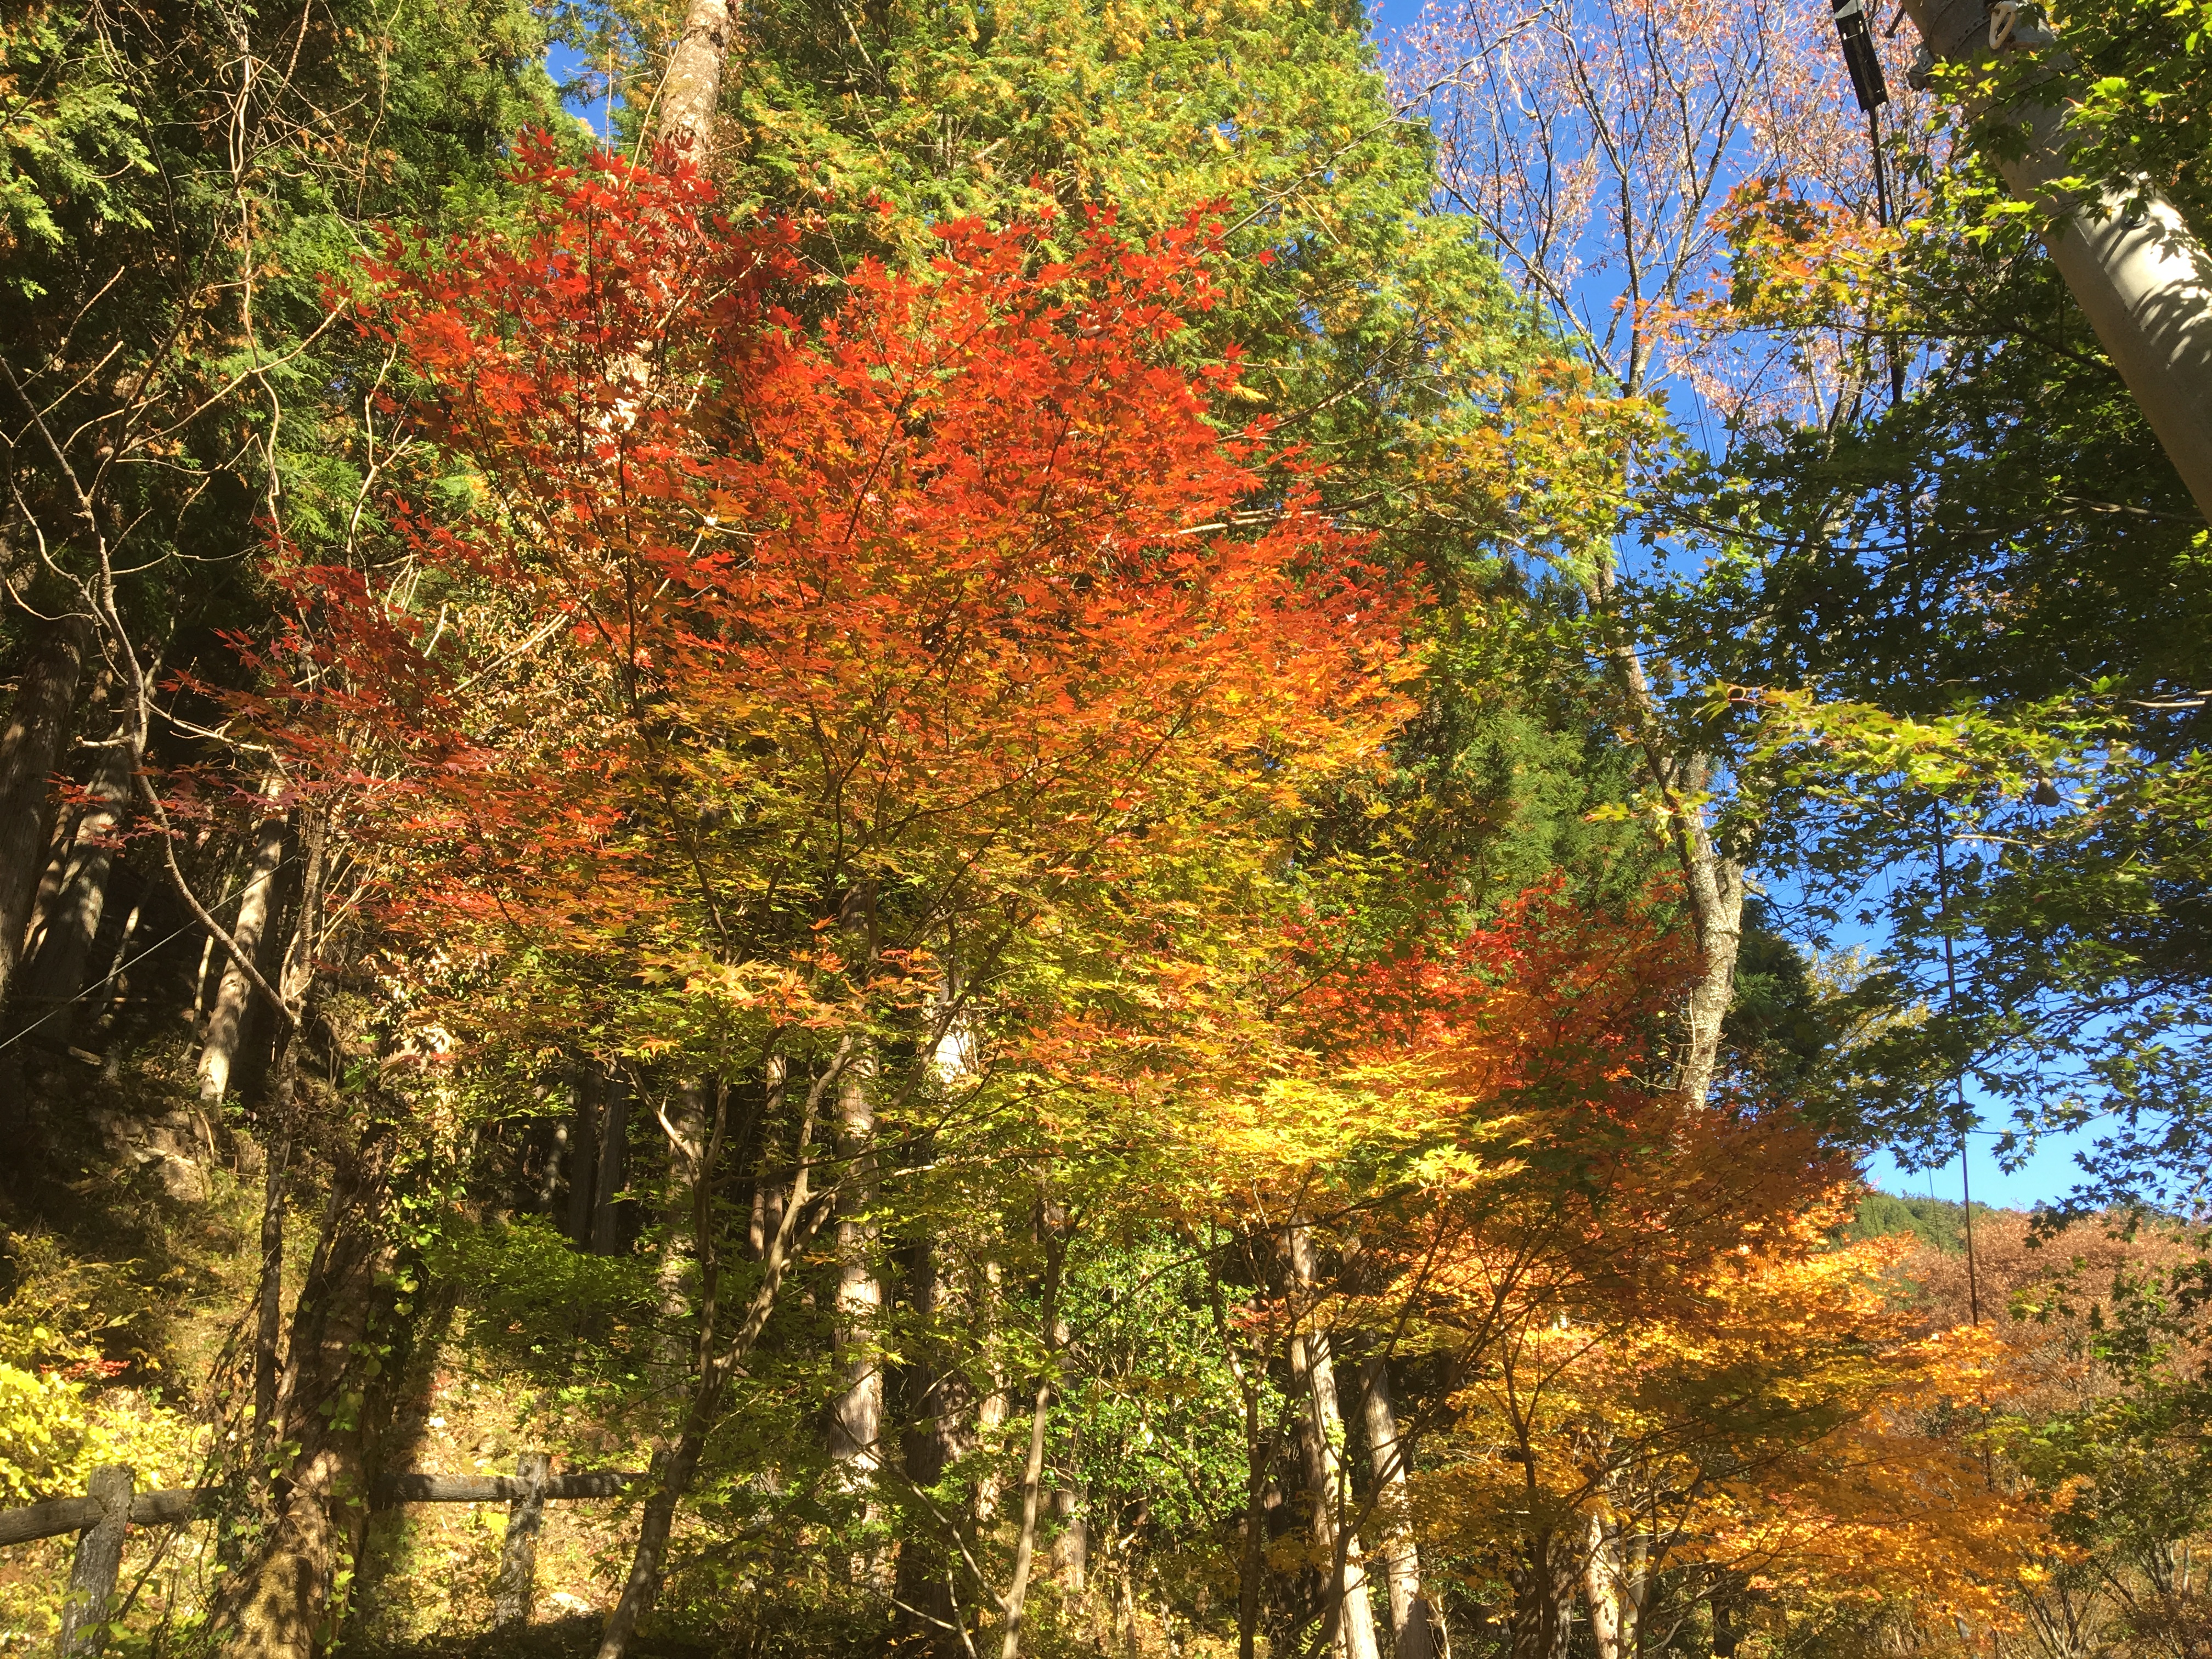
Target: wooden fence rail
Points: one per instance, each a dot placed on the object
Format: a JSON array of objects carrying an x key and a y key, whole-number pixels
[{"x": 109, "y": 1507}]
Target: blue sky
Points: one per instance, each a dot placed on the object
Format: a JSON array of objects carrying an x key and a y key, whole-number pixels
[{"x": 562, "y": 63}]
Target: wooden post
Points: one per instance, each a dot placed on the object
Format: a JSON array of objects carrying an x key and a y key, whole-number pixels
[
  {"x": 518, "y": 1557},
  {"x": 98, "y": 1563}
]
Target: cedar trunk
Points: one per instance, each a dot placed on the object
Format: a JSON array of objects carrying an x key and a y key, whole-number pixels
[
  {"x": 291, "y": 1596},
  {"x": 226, "y": 1026},
  {"x": 1349, "y": 1616},
  {"x": 31, "y": 742},
  {"x": 56, "y": 970},
  {"x": 1410, "y": 1616}
]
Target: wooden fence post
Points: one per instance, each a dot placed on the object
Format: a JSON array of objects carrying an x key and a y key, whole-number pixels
[
  {"x": 98, "y": 1562},
  {"x": 518, "y": 1557}
]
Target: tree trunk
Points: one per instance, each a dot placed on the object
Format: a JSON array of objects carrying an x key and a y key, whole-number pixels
[
  {"x": 856, "y": 1417},
  {"x": 56, "y": 970},
  {"x": 1411, "y": 1617},
  {"x": 678, "y": 1462},
  {"x": 292, "y": 1594},
  {"x": 1018, "y": 1591},
  {"x": 613, "y": 1161},
  {"x": 1716, "y": 885},
  {"x": 1260, "y": 1449},
  {"x": 30, "y": 745},
  {"x": 683, "y": 1224},
  {"x": 295, "y": 984},
  {"x": 933, "y": 1400},
  {"x": 226, "y": 1026},
  {"x": 1601, "y": 1590},
  {"x": 583, "y": 1154},
  {"x": 1349, "y": 1616},
  {"x": 1252, "y": 1567},
  {"x": 994, "y": 1408},
  {"x": 692, "y": 88},
  {"x": 1071, "y": 1551},
  {"x": 1543, "y": 1601},
  {"x": 1712, "y": 883}
]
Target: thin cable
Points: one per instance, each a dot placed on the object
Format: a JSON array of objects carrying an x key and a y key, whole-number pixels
[
  {"x": 1959, "y": 1074},
  {"x": 1881, "y": 208},
  {"x": 118, "y": 971},
  {"x": 1959, "y": 1085}
]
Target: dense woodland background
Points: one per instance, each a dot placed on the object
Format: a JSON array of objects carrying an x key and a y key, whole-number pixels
[{"x": 1125, "y": 816}]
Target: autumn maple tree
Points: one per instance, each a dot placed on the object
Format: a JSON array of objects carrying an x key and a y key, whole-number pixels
[{"x": 820, "y": 680}]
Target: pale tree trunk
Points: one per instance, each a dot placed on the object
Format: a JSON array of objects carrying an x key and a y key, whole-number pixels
[
  {"x": 856, "y": 1417},
  {"x": 226, "y": 1026},
  {"x": 1712, "y": 883},
  {"x": 692, "y": 88},
  {"x": 1350, "y": 1614},
  {"x": 768, "y": 1196},
  {"x": 1410, "y": 1615},
  {"x": 994, "y": 1408},
  {"x": 677, "y": 1461},
  {"x": 63, "y": 952},
  {"x": 1716, "y": 885},
  {"x": 1613, "y": 1585},
  {"x": 1602, "y": 1590},
  {"x": 1071, "y": 1551},
  {"x": 1015, "y": 1599},
  {"x": 683, "y": 1221},
  {"x": 30, "y": 745},
  {"x": 293, "y": 984},
  {"x": 292, "y": 1594}
]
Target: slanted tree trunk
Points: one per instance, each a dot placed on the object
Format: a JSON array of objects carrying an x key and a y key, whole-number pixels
[
  {"x": 62, "y": 951},
  {"x": 1712, "y": 883},
  {"x": 1349, "y": 1616},
  {"x": 676, "y": 1461},
  {"x": 226, "y": 1026},
  {"x": 294, "y": 985},
  {"x": 1411, "y": 1620},
  {"x": 1613, "y": 1587},
  {"x": 30, "y": 745},
  {"x": 292, "y": 1593},
  {"x": 1012, "y": 1605}
]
